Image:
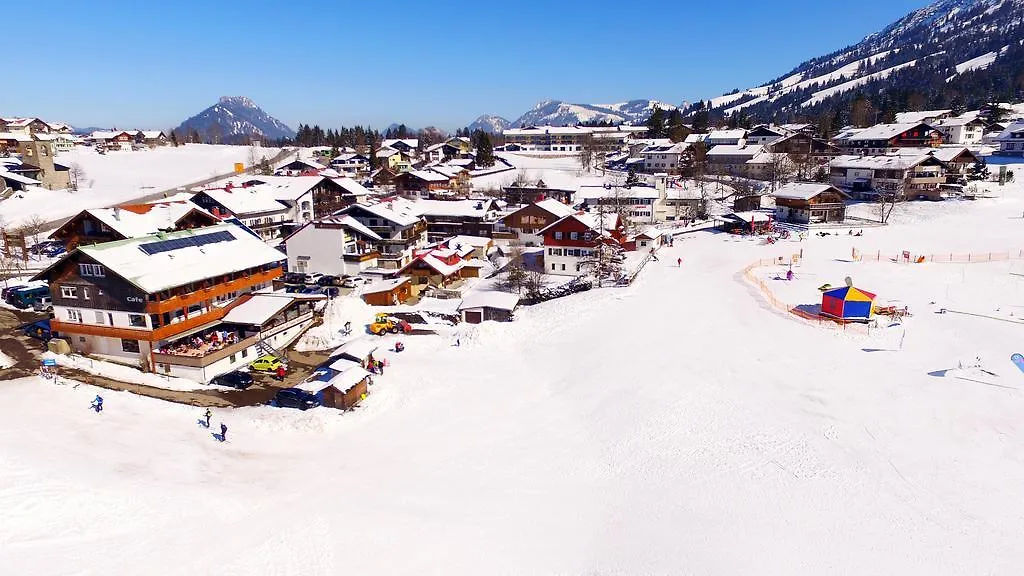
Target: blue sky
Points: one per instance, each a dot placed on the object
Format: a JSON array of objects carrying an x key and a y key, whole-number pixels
[{"x": 153, "y": 64}]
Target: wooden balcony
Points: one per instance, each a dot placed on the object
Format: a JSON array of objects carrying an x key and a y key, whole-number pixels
[
  {"x": 361, "y": 257},
  {"x": 162, "y": 333},
  {"x": 205, "y": 294}
]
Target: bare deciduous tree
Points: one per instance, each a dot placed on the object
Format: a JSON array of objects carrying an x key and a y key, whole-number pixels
[
  {"x": 587, "y": 153},
  {"x": 77, "y": 175},
  {"x": 888, "y": 199},
  {"x": 33, "y": 227}
]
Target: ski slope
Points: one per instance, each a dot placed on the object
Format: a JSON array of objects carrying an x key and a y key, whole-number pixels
[{"x": 675, "y": 426}]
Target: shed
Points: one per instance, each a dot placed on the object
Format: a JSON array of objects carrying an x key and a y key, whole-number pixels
[
  {"x": 360, "y": 351},
  {"x": 847, "y": 303},
  {"x": 483, "y": 306},
  {"x": 388, "y": 292},
  {"x": 343, "y": 390}
]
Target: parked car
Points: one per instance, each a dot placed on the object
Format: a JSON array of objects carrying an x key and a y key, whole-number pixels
[
  {"x": 332, "y": 292},
  {"x": 48, "y": 248},
  {"x": 26, "y": 297},
  {"x": 312, "y": 290},
  {"x": 39, "y": 330},
  {"x": 294, "y": 278},
  {"x": 327, "y": 280},
  {"x": 236, "y": 379},
  {"x": 353, "y": 281},
  {"x": 5, "y": 293},
  {"x": 295, "y": 398},
  {"x": 268, "y": 363},
  {"x": 44, "y": 304}
]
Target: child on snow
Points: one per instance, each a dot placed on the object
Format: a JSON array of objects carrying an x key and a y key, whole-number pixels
[
  {"x": 223, "y": 432},
  {"x": 208, "y": 415},
  {"x": 97, "y": 403}
]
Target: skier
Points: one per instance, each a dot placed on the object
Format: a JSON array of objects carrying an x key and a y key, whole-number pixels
[
  {"x": 789, "y": 274},
  {"x": 208, "y": 415},
  {"x": 679, "y": 262},
  {"x": 223, "y": 432},
  {"x": 97, "y": 403},
  {"x": 457, "y": 343}
]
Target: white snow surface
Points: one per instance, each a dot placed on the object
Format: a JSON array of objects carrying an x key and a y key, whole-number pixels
[
  {"x": 676, "y": 426},
  {"x": 118, "y": 177},
  {"x": 129, "y": 374}
]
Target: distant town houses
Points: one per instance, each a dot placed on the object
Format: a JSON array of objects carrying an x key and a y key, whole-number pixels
[{"x": 569, "y": 138}]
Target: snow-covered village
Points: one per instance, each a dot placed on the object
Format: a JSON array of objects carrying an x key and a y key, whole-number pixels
[{"x": 777, "y": 331}]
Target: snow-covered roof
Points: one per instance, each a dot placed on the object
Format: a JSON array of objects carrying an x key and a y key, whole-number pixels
[
  {"x": 134, "y": 220},
  {"x": 737, "y": 134},
  {"x": 474, "y": 241},
  {"x": 247, "y": 200},
  {"x": 803, "y": 190},
  {"x": 386, "y": 152},
  {"x": 676, "y": 148},
  {"x": 695, "y": 138},
  {"x": 736, "y": 150},
  {"x": 262, "y": 307},
  {"x": 433, "y": 260},
  {"x": 349, "y": 378},
  {"x": 477, "y": 208},
  {"x": 944, "y": 153},
  {"x": 597, "y": 222},
  {"x": 958, "y": 121},
  {"x": 410, "y": 142},
  {"x": 291, "y": 188},
  {"x": 489, "y": 299},
  {"x": 341, "y": 221},
  {"x": 920, "y": 116},
  {"x": 224, "y": 248},
  {"x": 449, "y": 171},
  {"x": 151, "y": 134},
  {"x": 590, "y": 191},
  {"x": 108, "y": 134},
  {"x": 19, "y": 178},
  {"x": 428, "y": 175},
  {"x": 358, "y": 349},
  {"x": 884, "y": 131},
  {"x": 20, "y": 122},
  {"x": 18, "y": 136},
  {"x": 1012, "y": 129},
  {"x": 385, "y": 285},
  {"x": 879, "y": 162},
  {"x": 553, "y": 207},
  {"x": 351, "y": 186},
  {"x": 752, "y": 216},
  {"x": 650, "y": 232},
  {"x": 396, "y": 210}
]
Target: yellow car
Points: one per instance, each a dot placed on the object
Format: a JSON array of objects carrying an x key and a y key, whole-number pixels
[{"x": 266, "y": 363}]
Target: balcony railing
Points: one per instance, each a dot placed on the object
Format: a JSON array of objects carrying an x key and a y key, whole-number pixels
[
  {"x": 360, "y": 257},
  {"x": 206, "y": 360},
  {"x": 211, "y": 292}
]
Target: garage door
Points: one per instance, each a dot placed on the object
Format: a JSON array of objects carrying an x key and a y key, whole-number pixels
[{"x": 474, "y": 317}]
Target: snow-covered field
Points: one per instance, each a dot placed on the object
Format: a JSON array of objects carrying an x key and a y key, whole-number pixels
[
  {"x": 557, "y": 172},
  {"x": 117, "y": 177},
  {"x": 678, "y": 426}
]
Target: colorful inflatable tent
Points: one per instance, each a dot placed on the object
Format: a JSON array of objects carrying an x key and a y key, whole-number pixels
[{"x": 847, "y": 303}]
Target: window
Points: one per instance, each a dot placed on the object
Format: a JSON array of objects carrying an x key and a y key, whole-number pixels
[
  {"x": 90, "y": 270},
  {"x": 137, "y": 320},
  {"x": 69, "y": 291},
  {"x": 130, "y": 346},
  {"x": 81, "y": 338},
  {"x": 558, "y": 235},
  {"x": 563, "y": 266},
  {"x": 245, "y": 352},
  {"x": 574, "y": 235},
  {"x": 231, "y": 359},
  {"x": 75, "y": 315},
  {"x": 85, "y": 293},
  {"x": 552, "y": 266},
  {"x": 588, "y": 236},
  {"x": 99, "y": 317}
]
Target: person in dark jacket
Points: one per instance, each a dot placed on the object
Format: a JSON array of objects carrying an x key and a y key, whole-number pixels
[
  {"x": 223, "y": 432},
  {"x": 208, "y": 415}
]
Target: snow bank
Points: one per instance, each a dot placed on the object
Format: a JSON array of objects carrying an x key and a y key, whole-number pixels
[
  {"x": 6, "y": 361},
  {"x": 337, "y": 312},
  {"x": 128, "y": 374}
]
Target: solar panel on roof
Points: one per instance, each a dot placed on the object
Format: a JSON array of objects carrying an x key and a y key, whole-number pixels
[{"x": 186, "y": 242}]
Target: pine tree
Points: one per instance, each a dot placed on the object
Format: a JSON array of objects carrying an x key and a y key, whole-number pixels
[
  {"x": 701, "y": 118},
  {"x": 656, "y": 124},
  {"x": 484, "y": 149},
  {"x": 676, "y": 129}
]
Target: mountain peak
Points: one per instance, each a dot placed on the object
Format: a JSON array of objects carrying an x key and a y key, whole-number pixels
[
  {"x": 238, "y": 101},
  {"x": 235, "y": 119}
]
